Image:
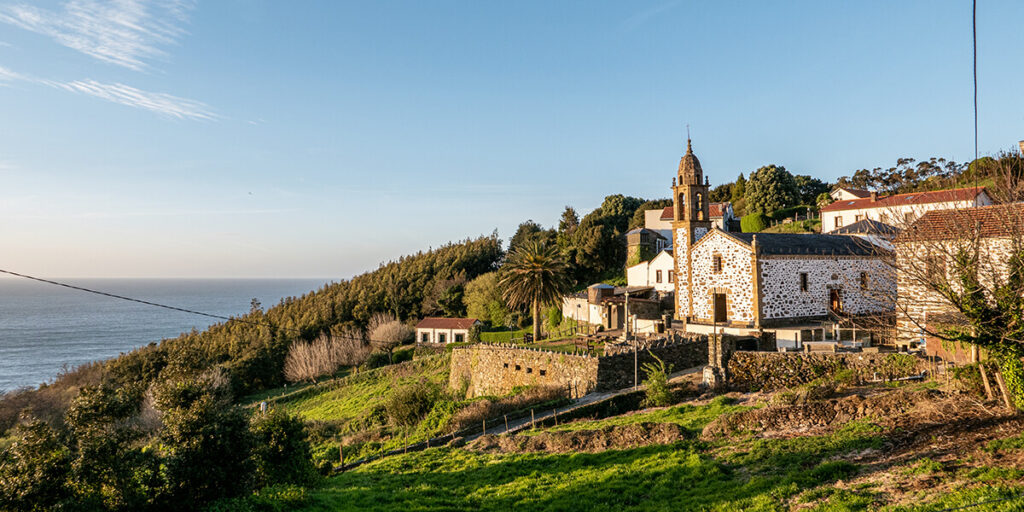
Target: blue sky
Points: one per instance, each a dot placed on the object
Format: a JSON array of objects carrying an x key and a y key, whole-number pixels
[{"x": 242, "y": 138}]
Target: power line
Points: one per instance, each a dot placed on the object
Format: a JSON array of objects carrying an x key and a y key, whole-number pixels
[
  {"x": 140, "y": 301},
  {"x": 974, "y": 37}
]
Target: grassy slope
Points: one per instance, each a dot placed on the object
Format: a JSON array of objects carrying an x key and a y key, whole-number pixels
[{"x": 741, "y": 473}]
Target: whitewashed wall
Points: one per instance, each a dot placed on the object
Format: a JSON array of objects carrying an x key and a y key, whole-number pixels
[{"x": 893, "y": 215}]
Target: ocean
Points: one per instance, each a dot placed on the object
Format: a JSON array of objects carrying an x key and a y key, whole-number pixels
[{"x": 44, "y": 327}]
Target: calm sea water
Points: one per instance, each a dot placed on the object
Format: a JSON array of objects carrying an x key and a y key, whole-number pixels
[{"x": 44, "y": 327}]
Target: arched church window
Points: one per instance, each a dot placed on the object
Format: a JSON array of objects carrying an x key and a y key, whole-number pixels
[{"x": 699, "y": 206}]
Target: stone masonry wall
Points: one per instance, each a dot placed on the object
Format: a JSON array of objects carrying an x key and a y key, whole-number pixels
[
  {"x": 497, "y": 369},
  {"x": 735, "y": 279},
  {"x": 770, "y": 371},
  {"x": 783, "y": 298}
]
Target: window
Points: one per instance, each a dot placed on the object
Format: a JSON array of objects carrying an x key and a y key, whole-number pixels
[
  {"x": 671, "y": 276},
  {"x": 440, "y": 338},
  {"x": 716, "y": 263},
  {"x": 935, "y": 267},
  {"x": 863, "y": 280},
  {"x": 425, "y": 337},
  {"x": 857, "y": 218},
  {"x": 803, "y": 281},
  {"x": 908, "y": 217},
  {"x": 839, "y": 221},
  {"x": 657, "y": 276},
  {"x": 459, "y": 338}
]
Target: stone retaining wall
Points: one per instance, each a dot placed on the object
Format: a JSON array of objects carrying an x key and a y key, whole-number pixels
[
  {"x": 487, "y": 369},
  {"x": 770, "y": 371}
]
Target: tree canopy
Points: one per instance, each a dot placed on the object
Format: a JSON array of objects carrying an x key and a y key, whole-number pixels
[{"x": 771, "y": 188}]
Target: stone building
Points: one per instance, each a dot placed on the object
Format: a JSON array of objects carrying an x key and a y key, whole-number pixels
[
  {"x": 788, "y": 285},
  {"x": 924, "y": 253},
  {"x": 645, "y": 242},
  {"x": 899, "y": 209}
]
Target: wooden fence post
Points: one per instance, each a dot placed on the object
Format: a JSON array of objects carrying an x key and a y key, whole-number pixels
[
  {"x": 1002, "y": 387},
  {"x": 485, "y": 427},
  {"x": 341, "y": 455},
  {"x": 506, "y": 423},
  {"x": 533, "y": 422},
  {"x": 984, "y": 380}
]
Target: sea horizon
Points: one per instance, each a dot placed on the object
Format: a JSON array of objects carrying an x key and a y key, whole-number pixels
[{"x": 45, "y": 328}]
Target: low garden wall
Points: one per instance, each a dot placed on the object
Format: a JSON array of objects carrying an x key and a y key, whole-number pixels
[{"x": 770, "y": 371}]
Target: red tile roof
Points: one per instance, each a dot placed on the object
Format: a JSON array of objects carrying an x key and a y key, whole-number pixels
[
  {"x": 446, "y": 323},
  {"x": 714, "y": 210},
  {"x": 938, "y": 196},
  {"x": 1000, "y": 220}
]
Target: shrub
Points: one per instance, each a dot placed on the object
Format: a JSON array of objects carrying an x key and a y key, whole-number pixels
[
  {"x": 553, "y": 318},
  {"x": 657, "y": 392},
  {"x": 754, "y": 223},
  {"x": 281, "y": 452},
  {"x": 407, "y": 405},
  {"x": 388, "y": 333},
  {"x": 323, "y": 356},
  {"x": 35, "y": 470}
]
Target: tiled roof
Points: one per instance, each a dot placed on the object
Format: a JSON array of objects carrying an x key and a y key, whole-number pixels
[
  {"x": 938, "y": 196},
  {"x": 994, "y": 221},
  {"x": 866, "y": 227},
  {"x": 446, "y": 323},
  {"x": 796, "y": 244},
  {"x": 714, "y": 210}
]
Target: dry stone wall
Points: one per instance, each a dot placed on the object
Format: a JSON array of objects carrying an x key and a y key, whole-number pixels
[
  {"x": 771, "y": 371},
  {"x": 496, "y": 369},
  {"x": 782, "y": 296}
]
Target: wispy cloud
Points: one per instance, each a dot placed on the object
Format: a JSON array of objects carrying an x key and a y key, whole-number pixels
[
  {"x": 161, "y": 103},
  {"x": 164, "y": 104},
  {"x": 122, "y": 32},
  {"x": 639, "y": 18}
]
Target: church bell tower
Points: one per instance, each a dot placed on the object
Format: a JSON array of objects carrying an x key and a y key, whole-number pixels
[{"x": 690, "y": 221}]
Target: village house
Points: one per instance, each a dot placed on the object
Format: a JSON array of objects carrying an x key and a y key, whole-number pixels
[
  {"x": 847, "y": 194},
  {"x": 658, "y": 273},
  {"x": 923, "y": 258},
  {"x": 899, "y": 209},
  {"x": 444, "y": 330},
  {"x": 645, "y": 242},
  {"x": 604, "y": 306},
  {"x": 792, "y": 287}
]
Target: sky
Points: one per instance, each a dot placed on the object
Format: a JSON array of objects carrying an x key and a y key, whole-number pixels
[{"x": 246, "y": 138}]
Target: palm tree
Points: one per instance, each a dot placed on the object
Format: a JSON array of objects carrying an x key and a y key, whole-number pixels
[{"x": 534, "y": 275}]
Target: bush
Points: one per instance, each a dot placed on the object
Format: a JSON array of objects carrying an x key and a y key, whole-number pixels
[
  {"x": 553, "y": 318},
  {"x": 34, "y": 472},
  {"x": 657, "y": 392},
  {"x": 281, "y": 452},
  {"x": 754, "y": 223},
  {"x": 787, "y": 213},
  {"x": 324, "y": 355},
  {"x": 407, "y": 405}
]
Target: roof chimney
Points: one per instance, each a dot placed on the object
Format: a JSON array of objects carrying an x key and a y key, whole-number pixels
[{"x": 874, "y": 196}]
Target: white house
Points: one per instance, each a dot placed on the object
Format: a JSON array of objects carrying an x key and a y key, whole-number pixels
[
  {"x": 444, "y": 330},
  {"x": 899, "y": 209},
  {"x": 658, "y": 273},
  {"x": 846, "y": 194}
]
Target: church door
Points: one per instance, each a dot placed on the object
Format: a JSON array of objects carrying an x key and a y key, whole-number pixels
[
  {"x": 835, "y": 300},
  {"x": 720, "y": 309}
]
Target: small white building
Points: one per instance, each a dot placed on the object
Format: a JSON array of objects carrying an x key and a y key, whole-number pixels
[
  {"x": 657, "y": 273},
  {"x": 444, "y": 330},
  {"x": 847, "y": 194},
  {"x": 899, "y": 209}
]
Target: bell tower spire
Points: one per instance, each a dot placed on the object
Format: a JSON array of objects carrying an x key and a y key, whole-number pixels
[{"x": 691, "y": 221}]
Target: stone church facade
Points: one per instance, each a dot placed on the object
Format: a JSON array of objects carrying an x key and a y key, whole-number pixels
[{"x": 741, "y": 283}]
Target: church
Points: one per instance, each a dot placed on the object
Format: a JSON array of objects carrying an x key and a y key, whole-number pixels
[{"x": 790, "y": 288}]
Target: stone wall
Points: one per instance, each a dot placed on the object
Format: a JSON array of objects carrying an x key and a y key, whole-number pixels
[
  {"x": 783, "y": 298},
  {"x": 770, "y": 371},
  {"x": 735, "y": 280},
  {"x": 497, "y": 369}
]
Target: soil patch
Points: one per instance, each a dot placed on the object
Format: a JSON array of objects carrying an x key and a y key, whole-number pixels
[{"x": 618, "y": 437}]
